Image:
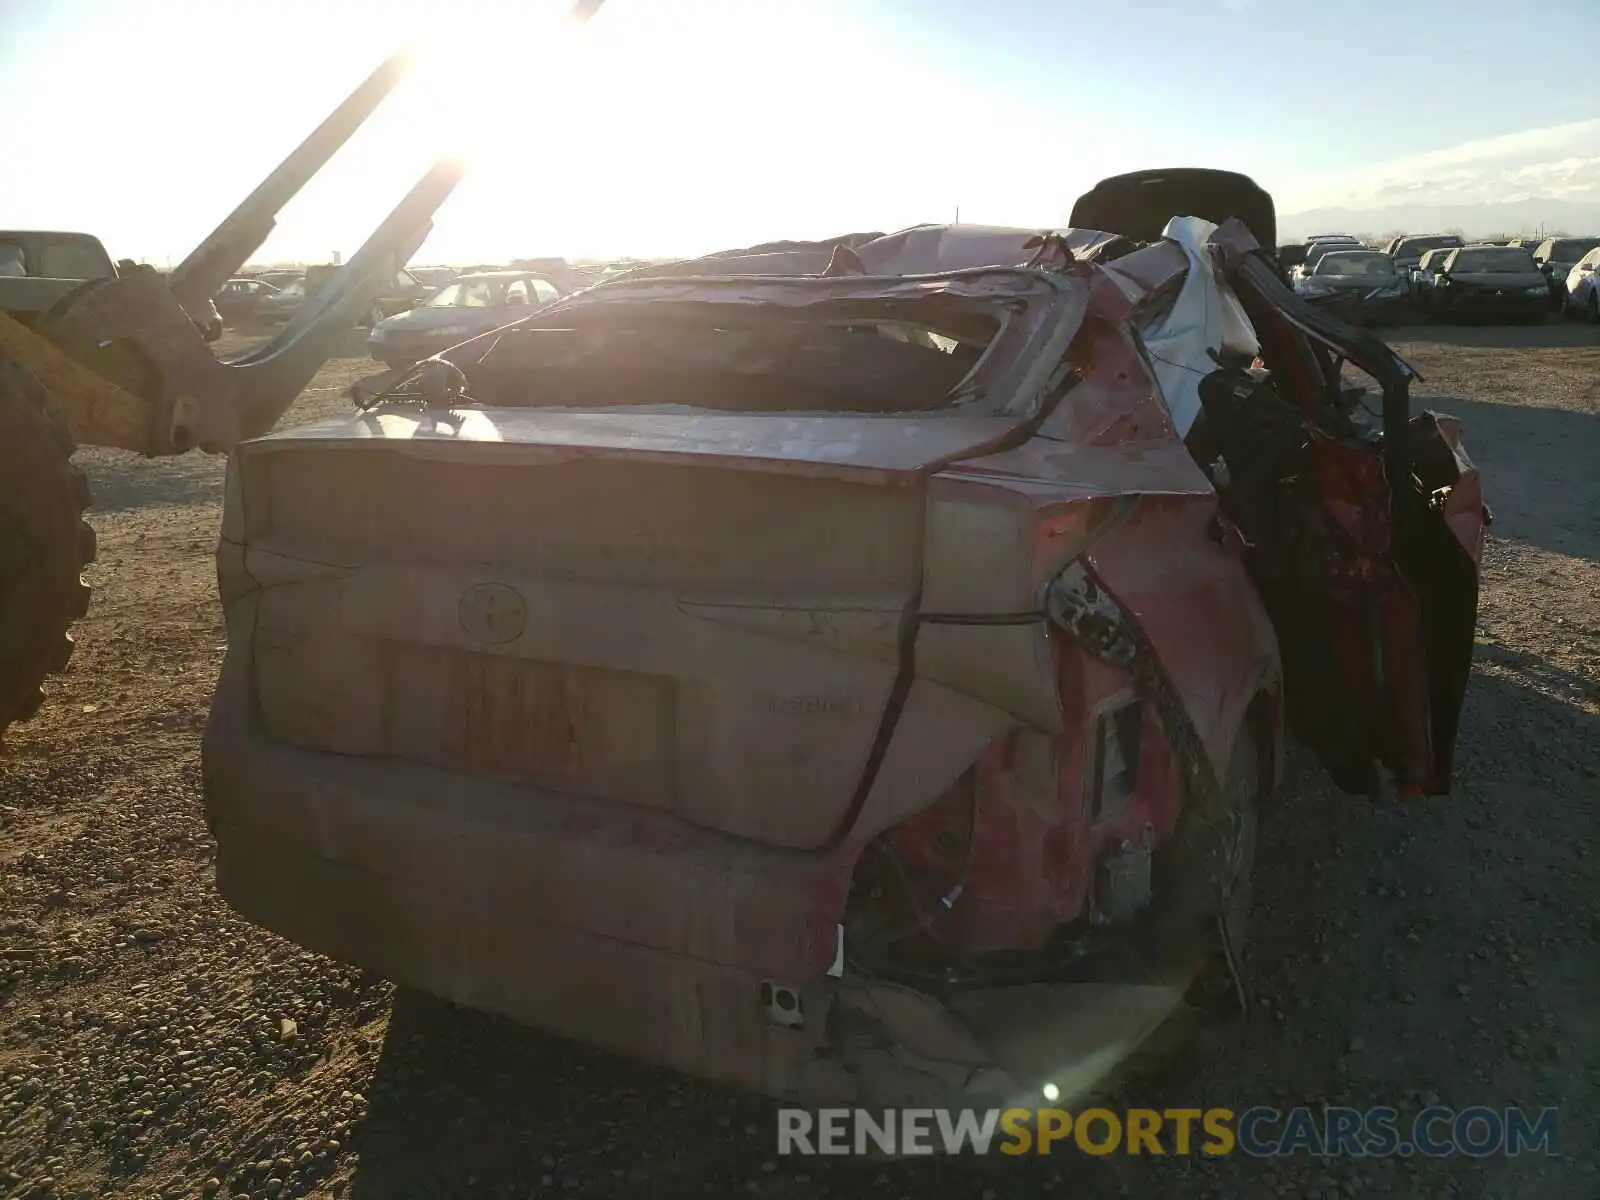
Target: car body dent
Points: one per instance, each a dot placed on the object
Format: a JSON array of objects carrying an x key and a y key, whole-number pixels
[{"x": 750, "y": 650}]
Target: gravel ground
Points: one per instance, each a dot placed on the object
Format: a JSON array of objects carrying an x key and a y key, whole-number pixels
[{"x": 152, "y": 1045}]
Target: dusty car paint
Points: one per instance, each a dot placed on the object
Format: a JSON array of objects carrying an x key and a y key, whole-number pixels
[{"x": 607, "y": 718}]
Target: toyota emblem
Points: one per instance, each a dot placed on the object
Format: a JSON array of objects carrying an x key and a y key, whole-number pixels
[{"x": 493, "y": 612}]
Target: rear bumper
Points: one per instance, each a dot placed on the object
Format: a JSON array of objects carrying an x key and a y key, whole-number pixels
[
  {"x": 300, "y": 852},
  {"x": 437, "y": 935},
  {"x": 631, "y": 932},
  {"x": 625, "y": 929}
]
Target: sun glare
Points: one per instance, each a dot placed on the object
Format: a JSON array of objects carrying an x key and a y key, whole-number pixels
[
  {"x": 648, "y": 120},
  {"x": 470, "y": 78},
  {"x": 665, "y": 129}
]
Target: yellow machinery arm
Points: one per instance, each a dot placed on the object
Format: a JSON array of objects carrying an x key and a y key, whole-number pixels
[
  {"x": 117, "y": 361},
  {"x": 94, "y": 410},
  {"x": 132, "y": 328}
]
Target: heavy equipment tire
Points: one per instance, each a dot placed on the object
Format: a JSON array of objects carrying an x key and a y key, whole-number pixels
[{"x": 44, "y": 543}]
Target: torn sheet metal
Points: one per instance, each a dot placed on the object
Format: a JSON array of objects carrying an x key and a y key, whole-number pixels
[
  {"x": 825, "y": 789},
  {"x": 920, "y": 250}
]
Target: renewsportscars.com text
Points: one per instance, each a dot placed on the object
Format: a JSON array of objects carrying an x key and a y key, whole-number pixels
[{"x": 1260, "y": 1132}]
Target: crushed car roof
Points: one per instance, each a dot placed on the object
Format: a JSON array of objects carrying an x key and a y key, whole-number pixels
[{"x": 920, "y": 250}]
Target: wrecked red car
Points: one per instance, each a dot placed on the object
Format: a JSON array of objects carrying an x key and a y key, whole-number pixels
[{"x": 805, "y": 667}]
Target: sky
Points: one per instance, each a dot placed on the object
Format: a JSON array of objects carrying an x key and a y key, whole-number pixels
[{"x": 680, "y": 126}]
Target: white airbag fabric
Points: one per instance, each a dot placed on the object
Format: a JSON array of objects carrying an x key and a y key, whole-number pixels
[{"x": 1206, "y": 317}]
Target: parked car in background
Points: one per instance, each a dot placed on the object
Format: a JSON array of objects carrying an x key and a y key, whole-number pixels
[
  {"x": 1421, "y": 278},
  {"x": 59, "y": 259},
  {"x": 407, "y": 291},
  {"x": 557, "y": 270},
  {"x": 1360, "y": 286},
  {"x": 1556, "y": 258},
  {"x": 463, "y": 308},
  {"x": 647, "y": 685},
  {"x": 47, "y": 254},
  {"x": 404, "y": 293},
  {"x": 239, "y": 299},
  {"x": 1320, "y": 246},
  {"x": 1407, "y": 251},
  {"x": 434, "y": 277},
  {"x": 1581, "y": 296},
  {"x": 1292, "y": 255},
  {"x": 278, "y": 279},
  {"x": 1490, "y": 281},
  {"x": 277, "y": 307}
]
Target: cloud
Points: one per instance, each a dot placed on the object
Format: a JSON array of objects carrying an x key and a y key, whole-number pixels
[{"x": 1555, "y": 162}]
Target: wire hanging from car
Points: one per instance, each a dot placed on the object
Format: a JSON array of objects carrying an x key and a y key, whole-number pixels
[{"x": 441, "y": 386}]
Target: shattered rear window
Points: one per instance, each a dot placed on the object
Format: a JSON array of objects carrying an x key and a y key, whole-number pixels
[{"x": 742, "y": 358}]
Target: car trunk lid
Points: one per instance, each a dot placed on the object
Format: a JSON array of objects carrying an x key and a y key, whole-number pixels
[{"x": 690, "y": 611}]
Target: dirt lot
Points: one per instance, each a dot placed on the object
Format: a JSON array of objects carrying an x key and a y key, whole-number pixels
[{"x": 1440, "y": 951}]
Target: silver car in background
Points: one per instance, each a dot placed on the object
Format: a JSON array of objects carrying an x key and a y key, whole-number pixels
[
  {"x": 1582, "y": 296},
  {"x": 463, "y": 308},
  {"x": 278, "y": 307},
  {"x": 1324, "y": 244},
  {"x": 1424, "y": 275},
  {"x": 1407, "y": 250},
  {"x": 1556, "y": 257}
]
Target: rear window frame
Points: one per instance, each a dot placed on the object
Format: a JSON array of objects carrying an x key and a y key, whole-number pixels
[{"x": 1039, "y": 315}]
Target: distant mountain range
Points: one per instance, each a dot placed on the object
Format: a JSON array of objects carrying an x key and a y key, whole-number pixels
[{"x": 1511, "y": 218}]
